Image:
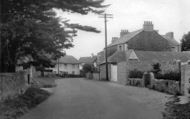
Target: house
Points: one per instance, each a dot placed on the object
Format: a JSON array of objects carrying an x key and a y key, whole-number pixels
[
  {"x": 139, "y": 49},
  {"x": 88, "y": 60},
  {"x": 146, "y": 39},
  {"x": 67, "y": 65}
]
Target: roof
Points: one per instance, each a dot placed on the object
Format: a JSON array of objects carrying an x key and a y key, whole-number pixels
[
  {"x": 87, "y": 59},
  {"x": 68, "y": 59},
  {"x": 152, "y": 56},
  {"x": 118, "y": 56},
  {"x": 125, "y": 38},
  {"x": 172, "y": 41},
  {"x": 151, "y": 35}
]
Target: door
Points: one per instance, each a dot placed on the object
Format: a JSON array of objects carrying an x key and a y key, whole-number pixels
[{"x": 114, "y": 73}]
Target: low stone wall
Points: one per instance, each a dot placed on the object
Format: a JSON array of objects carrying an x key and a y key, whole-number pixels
[
  {"x": 162, "y": 85},
  {"x": 12, "y": 84},
  {"x": 135, "y": 82},
  {"x": 96, "y": 76},
  {"x": 167, "y": 86}
]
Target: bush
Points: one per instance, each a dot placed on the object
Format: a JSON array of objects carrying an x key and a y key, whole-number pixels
[
  {"x": 171, "y": 75},
  {"x": 12, "y": 108},
  {"x": 135, "y": 74}
]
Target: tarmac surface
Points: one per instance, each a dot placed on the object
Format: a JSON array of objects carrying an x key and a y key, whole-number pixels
[{"x": 77, "y": 98}]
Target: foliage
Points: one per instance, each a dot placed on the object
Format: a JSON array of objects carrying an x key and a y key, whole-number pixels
[
  {"x": 13, "y": 108},
  {"x": 135, "y": 74},
  {"x": 185, "y": 42},
  {"x": 170, "y": 75},
  {"x": 88, "y": 68},
  {"x": 174, "y": 110},
  {"x": 156, "y": 68},
  {"x": 32, "y": 34}
]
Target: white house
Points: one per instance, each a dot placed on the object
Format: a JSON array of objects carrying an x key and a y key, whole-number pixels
[{"x": 67, "y": 65}]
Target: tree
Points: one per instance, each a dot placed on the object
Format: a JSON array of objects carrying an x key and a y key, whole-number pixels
[
  {"x": 30, "y": 28},
  {"x": 88, "y": 68},
  {"x": 185, "y": 42},
  {"x": 156, "y": 68}
]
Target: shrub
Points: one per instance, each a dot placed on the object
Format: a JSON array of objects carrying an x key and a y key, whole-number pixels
[
  {"x": 156, "y": 68},
  {"x": 135, "y": 74},
  {"x": 171, "y": 75}
]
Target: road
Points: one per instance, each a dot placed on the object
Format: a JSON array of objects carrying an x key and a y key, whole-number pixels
[{"x": 87, "y": 99}]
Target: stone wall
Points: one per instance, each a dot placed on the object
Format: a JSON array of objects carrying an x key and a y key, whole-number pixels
[
  {"x": 135, "y": 82},
  {"x": 121, "y": 73},
  {"x": 12, "y": 84},
  {"x": 167, "y": 86},
  {"x": 96, "y": 76},
  {"x": 162, "y": 85}
]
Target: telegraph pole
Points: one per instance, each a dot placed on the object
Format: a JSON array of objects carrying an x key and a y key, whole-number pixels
[{"x": 106, "y": 16}]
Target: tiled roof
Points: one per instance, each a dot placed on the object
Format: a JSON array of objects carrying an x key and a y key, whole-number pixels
[
  {"x": 100, "y": 57},
  {"x": 172, "y": 42},
  {"x": 118, "y": 56},
  {"x": 130, "y": 35},
  {"x": 126, "y": 38},
  {"x": 87, "y": 59},
  {"x": 152, "y": 56},
  {"x": 67, "y": 59}
]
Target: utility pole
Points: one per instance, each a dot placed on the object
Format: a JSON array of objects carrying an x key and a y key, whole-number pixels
[{"x": 105, "y": 16}]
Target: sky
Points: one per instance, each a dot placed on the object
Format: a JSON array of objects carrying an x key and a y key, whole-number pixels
[{"x": 166, "y": 15}]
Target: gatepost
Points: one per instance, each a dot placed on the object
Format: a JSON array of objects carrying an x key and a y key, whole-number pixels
[{"x": 185, "y": 78}]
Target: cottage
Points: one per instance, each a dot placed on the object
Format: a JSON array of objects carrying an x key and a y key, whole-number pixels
[
  {"x": 139, "y": 49},
  {"x": 67, "y": 65}
]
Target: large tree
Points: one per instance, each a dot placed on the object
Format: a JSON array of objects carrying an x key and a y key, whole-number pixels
[
  {"x": 185, "y": 42},
  {"x": 30, "y": 30}
]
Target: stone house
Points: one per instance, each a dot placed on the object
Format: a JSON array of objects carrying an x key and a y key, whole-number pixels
[
  {"x": 139, "y": 49},
  {"x": 67, "y": 65}
]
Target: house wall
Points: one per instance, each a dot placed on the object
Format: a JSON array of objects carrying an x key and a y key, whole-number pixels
[
  {"x": 12, "y": 84},
  {"x": 69, "y": 68},
  {"x": 122, "y": 73},
  {"x": 103, "y": 71}
]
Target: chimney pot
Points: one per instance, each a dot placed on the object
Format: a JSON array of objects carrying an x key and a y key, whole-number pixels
[{"x": 148, "y": 26}]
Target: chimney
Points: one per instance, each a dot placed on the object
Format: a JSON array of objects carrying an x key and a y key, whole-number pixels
[
  {"x": 123, "y": 32},
  {"x": 148, "y": 26},
  {"x": 170, "y": 35},
  {"x": 114, "y": 39}
]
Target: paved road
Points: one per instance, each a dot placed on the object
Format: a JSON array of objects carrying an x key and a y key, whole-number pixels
[{"x": 87, "y": 99}]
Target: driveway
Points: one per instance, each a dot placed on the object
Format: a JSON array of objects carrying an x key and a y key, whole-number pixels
[{"x": 76, "y": 98}]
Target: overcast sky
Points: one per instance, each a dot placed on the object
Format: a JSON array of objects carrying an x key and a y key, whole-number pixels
[{"x": 166, "y": 15}]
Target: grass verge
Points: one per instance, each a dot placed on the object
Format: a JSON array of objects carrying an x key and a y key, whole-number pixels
[
  {"x": 16, "y": 107},
  {"x": 175, "y": 110}
]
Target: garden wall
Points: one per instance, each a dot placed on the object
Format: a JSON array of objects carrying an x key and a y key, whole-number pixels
[
  {"x": 12, "y": 84},
  {"x": 135, "y": 82},
  {"x": 167, "y": 86},
  {"x": 162, "y": 85},
  {"x": 122, "y": 73}
]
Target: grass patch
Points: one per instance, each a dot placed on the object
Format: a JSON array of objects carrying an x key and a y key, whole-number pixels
[
  {"x": 12, "y": 108},
  {"x": 44, "y": 82},
  {"x": 176, "y": 111}
]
